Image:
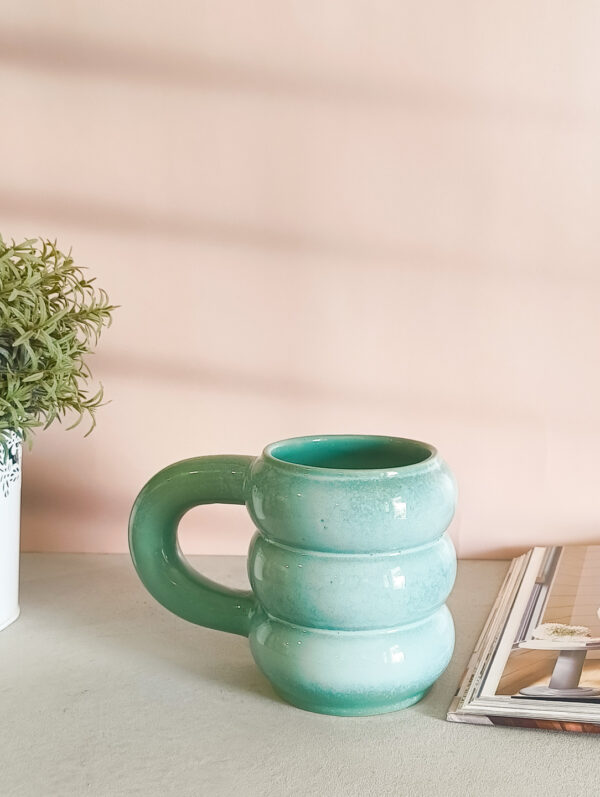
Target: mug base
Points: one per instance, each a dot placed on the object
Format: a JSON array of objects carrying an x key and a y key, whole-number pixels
[{"x": 366, "y": 710}]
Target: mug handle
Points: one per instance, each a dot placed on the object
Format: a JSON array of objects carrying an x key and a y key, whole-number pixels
[{"x": 156, "y": 553}]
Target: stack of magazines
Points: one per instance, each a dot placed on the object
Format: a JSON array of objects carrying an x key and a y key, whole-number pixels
[{"x": 537, "y": 661}]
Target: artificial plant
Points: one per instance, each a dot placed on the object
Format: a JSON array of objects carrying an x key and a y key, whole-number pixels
[{"x": 51, "y": 316}]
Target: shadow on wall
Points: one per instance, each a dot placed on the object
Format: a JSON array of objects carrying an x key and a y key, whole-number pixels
[
  {"x": 94, "y": 58},
  {"x": 94, "y": 214},
  {"x": 271, "y": 384}
]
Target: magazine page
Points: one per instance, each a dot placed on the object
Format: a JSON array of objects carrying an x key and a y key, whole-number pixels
[
  {"x": 555, "y": 653},
  {"x": 544, "y": 660}
]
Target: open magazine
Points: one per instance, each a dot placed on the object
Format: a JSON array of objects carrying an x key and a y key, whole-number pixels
[{"x": 537, "y": 661}]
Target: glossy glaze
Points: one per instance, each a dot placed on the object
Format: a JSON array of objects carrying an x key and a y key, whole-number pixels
[
  {"x": 353, "y": 673},
  {"x": 349, "y": 568}
]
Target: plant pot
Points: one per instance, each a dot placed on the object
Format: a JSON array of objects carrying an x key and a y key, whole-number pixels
[{"x": 10, "y": 514}]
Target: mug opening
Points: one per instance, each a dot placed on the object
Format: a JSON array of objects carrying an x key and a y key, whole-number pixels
[{"x": 351, "y": 452}]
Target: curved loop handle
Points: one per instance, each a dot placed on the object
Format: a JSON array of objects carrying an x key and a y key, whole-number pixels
[{"x": 156, "y": 553}]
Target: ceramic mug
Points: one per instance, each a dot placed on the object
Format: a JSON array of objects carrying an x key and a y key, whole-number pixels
[{"x": 350, "y": 566}]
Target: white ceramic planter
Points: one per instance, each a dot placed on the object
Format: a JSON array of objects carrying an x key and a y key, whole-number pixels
[{"x": 10, "y": 515}]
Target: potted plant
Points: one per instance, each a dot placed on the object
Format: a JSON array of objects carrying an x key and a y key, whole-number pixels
[{"x": 51, "y": 316}]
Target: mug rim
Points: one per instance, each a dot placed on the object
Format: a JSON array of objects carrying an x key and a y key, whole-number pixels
[{"x": 270, "y": 455}]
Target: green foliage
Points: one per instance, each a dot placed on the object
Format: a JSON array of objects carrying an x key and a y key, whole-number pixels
[{"x": 51, "y": 317}]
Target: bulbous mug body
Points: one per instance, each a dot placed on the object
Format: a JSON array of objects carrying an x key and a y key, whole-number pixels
[{"x": 350, "y": 568}]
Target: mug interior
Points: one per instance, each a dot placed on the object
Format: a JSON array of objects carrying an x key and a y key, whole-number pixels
[{"x": 351, "y": 452}]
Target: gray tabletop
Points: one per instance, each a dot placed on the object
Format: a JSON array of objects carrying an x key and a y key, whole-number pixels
[{"x": 103, "y": 692}]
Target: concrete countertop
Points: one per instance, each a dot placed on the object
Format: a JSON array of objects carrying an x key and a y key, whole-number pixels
[{"x": 103, "y": 692}]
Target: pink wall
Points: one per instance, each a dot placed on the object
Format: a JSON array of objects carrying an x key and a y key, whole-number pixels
[{"x": 319, "y": 217}]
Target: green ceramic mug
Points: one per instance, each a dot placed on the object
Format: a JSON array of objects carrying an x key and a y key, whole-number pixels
[{"x": 350, "y": 567}]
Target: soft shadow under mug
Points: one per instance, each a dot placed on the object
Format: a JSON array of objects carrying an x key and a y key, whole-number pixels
[{"x": 350, "y": 566}]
